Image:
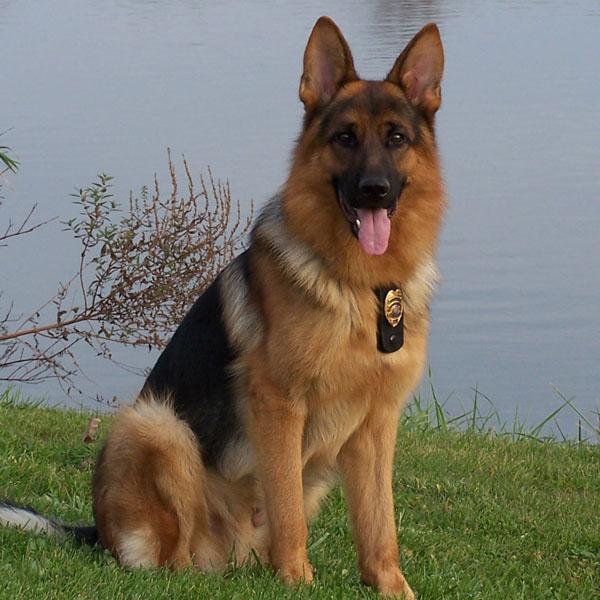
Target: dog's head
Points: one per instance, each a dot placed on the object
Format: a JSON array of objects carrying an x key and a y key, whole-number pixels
[{"x": 369, "y": 133}]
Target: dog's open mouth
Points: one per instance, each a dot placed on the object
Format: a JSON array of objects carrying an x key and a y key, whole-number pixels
[{"x": 371, "y": 226}]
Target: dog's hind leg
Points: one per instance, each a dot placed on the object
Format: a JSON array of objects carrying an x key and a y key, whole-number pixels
[{"x": 148, "y": 490}]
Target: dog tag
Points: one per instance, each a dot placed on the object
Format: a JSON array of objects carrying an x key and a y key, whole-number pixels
[{"x": 390, "y": 326}]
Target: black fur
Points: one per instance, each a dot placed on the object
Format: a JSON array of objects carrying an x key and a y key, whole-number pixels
[
  {"x": 193, "y": 371},
  {"x": 83, "y": 534}
]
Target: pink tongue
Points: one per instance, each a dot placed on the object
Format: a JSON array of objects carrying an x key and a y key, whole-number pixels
[{"x": 374, "y": 230}]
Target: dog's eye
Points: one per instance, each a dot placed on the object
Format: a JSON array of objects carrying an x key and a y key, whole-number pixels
[
  {"x": 345, "y": 138},
  {"x": 397, "y": 138}
]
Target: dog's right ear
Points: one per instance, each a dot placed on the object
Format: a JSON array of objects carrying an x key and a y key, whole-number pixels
[{"x": 328, "y": 65}]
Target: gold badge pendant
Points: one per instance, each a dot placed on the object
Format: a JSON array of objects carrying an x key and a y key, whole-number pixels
[{"x": 393, "y": 308}]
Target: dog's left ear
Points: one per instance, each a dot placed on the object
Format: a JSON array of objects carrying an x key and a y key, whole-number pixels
[
  {"x": 328, "y": 65},
  {"x": 418, "y": 70}
]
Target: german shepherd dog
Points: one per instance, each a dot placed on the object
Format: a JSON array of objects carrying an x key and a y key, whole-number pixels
[{"x": 293, "y": 366}]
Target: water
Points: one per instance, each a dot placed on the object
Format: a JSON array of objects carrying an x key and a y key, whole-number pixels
[{"x": 108, "y": 86}]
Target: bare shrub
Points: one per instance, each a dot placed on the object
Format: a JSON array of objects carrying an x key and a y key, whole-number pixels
[{"x": 141, "y": 267}]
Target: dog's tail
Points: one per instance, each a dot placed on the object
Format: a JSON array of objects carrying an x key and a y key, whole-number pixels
[{"x": 28, "y": 519}]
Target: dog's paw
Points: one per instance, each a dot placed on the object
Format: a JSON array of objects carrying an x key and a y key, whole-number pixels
[
  {"x": 403, "y": 591},
  {"x": 296, "y": 573},
  {"x": 391, "y": 584}
]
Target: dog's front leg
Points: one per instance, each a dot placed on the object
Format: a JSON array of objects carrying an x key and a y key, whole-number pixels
[
  {"x": 276, "y": 430},
  {"x": 366, "y": 463}
]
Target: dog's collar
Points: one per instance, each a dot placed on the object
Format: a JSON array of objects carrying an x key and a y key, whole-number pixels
[{"x": 390, "y": 323}]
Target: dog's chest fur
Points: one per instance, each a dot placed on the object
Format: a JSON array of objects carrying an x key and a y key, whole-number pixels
[{"x": 331, "y": 369}]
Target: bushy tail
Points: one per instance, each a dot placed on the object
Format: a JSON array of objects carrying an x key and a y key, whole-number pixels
[{"x": 30, "y": 520}]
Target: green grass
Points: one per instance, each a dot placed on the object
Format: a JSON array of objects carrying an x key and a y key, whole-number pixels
[{"x": 480, "y": 516}]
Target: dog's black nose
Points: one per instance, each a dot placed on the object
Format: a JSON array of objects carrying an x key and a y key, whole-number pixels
[{"x": 374, "y": 188}]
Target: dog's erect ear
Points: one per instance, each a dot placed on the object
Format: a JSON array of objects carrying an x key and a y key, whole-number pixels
[
  {"x": 328, "y": 65},
  {"x": 418, "y": 70}
]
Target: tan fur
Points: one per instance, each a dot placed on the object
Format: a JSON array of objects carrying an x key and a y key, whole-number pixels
[
  {"x": 155, "y": 504},
  {"x": 315, "y": 395}
]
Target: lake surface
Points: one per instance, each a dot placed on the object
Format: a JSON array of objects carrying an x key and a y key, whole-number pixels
[{"x": 90, "y": 87}]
